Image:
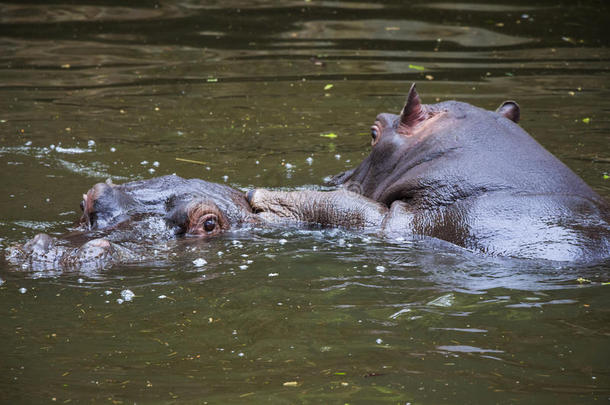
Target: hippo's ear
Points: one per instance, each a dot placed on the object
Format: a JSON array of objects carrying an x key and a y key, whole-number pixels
[
  {"x": 413, "y": 112},
  {"x": 510, "y": 110}
]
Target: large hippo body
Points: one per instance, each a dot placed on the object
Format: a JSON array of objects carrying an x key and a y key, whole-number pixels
[
  {"x": 122, "y": 223},
  {"x": 468, "y": 176}
]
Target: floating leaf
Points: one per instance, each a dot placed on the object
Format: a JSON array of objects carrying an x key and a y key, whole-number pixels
[
  {"x": 586, "y": 120},
  {"x": 212, "y": 79},
  {"x": 339, "y": 373},
  {"x": 330, "y": 135},
  {"x": 291, "y": 384},
  {"x": 606, "y": 177},
  {"x": 583, "y": 280},
  {"x": 329, "y": 86},
  {"x": 417, "y": 67}
]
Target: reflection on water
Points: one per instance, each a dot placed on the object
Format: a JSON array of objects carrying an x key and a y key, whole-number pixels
[
  {"x": 402, "y": 30},
  {"x": 238, "y": 91}
]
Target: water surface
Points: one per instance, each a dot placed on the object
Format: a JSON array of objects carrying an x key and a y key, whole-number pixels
[{"x": 92, "y": 90}]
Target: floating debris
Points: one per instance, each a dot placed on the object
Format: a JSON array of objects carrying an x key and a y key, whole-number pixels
[
  {"x": 198, "y": 162},
  {"x": 200, "y": 262},
  {"x": 443, "y": 301},
  {"x": 127, "y": 295},
  {"x": 331, "y": 135}
]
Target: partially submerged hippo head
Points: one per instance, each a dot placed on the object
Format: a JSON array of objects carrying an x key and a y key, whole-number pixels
[
  {"x": 191, "y": 206},
  {"x": 438, "y": 153},
  {"x": 114, "y": 214}
]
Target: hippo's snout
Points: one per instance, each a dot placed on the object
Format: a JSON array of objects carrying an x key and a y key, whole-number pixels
[{"x": 39, "y": 244}]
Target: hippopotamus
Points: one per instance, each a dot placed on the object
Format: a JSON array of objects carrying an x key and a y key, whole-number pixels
[
  {"x": 118, "y": 215},
  {"x": 462, "y": 174}
]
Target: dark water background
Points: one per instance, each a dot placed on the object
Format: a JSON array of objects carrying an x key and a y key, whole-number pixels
[{"x": 98, "y": 89}]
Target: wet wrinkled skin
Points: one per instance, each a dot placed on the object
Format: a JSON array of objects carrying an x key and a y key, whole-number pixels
[
  {"x": 465, "y": 175},
  {"x": 148, "y": 210},
  {"x": 46, "y": 252}
]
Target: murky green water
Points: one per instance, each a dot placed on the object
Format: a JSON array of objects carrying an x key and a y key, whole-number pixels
[{"x": 91, "y": 90}]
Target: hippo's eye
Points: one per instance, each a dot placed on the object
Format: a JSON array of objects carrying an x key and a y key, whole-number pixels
[
  {"x": 209, "y": 224},
  {"x": 202, "y": 218},
  {"x": 206, "y": 225},
  {"x": 375, "y": 133}
]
